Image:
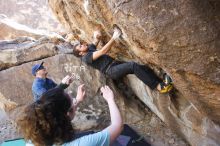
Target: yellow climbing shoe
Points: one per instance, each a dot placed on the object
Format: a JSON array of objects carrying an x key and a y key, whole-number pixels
[
  {"x": 167, "y": 84},
  {"x": 166, "y": 88}
]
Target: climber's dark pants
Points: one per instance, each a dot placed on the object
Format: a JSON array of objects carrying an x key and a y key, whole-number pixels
[{"x": 119, "y": 69}]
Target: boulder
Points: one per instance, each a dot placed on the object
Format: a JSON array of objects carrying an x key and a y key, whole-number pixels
[
  {"x": 178, "y": 37},
  {"x": 25, "y": 49}
]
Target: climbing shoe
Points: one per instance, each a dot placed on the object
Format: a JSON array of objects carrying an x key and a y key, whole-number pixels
[{"x": 167, "y": 84}]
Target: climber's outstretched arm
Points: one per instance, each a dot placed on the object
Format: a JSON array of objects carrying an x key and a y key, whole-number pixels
[
  {"x": 108, "y": 46},
  {"x": 104, "y": 50}
]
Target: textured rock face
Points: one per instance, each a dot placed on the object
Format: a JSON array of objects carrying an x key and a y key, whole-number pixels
[
  {"x": 25, "y": 49},
  {"x": 180, "y": 37}
]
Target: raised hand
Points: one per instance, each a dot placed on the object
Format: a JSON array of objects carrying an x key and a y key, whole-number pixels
[
  {"x": 97, "y": 35},
  {"x": 67, "y": 80},
  {"x": 117, "y": 33},
  {"x": 80, "y": 93},
  {"x": 107, "y": 93}
]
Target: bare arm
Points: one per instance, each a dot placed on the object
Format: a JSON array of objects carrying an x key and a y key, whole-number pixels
[
  {"x": 80, "y": 95},
  {"x": 103, "y": 51},
  {"x": 79, "y": 98},
  {"x": 116, "y": 120},
  {"x": 108, "y": 46}
]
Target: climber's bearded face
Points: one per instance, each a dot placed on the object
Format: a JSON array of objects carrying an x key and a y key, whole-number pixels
[{"x": 82, "y": 48}]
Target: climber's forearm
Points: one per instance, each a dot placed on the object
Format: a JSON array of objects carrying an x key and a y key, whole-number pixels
[
  {"x": 116, "y": 121},
  {"x": 115, "y": 115},
  {"x": 104, "y": 50},
  {"x": 108, "y": 46}
]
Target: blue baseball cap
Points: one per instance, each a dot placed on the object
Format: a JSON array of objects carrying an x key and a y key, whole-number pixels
[{"x": 37, "y": 67}]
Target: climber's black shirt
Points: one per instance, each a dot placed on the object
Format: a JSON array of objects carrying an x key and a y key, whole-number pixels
[{"x": 101, "y": 63}]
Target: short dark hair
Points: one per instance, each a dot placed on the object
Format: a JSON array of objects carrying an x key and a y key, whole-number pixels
[
  {"x": 46, "y": 122},
  {"x": 75, "y": 51}
]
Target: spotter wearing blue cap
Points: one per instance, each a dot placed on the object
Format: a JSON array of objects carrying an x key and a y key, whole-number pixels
[{"x": 37, "y": 67}]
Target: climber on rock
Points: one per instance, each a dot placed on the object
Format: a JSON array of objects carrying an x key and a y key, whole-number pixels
[
  {"x": 117, "y": 69},
  {"x": 41, "y": 83}
]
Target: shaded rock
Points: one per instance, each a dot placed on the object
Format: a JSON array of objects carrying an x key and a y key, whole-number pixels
[
  {"x": 178, "y": 113},
  {"x": 8, "y": 128},
  {"x": 178, "y": 37},
  {"x": 6, "y": 105},
  {"x": 25, "y": 49}
]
